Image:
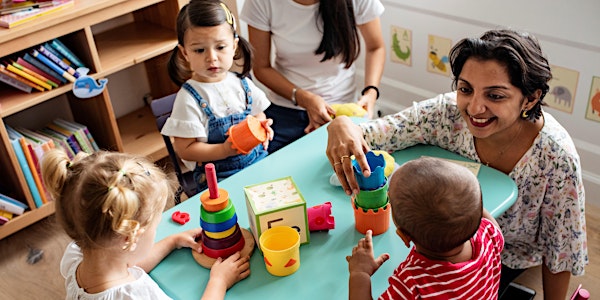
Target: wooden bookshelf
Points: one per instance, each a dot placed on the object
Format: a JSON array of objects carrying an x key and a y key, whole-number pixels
[{"x": 148, "y": 39}]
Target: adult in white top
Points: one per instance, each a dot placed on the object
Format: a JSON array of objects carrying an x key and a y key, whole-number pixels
[{"x": 315, "y": 46}]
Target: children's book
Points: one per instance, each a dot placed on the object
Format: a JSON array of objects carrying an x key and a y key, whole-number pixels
[
  {"x": 34, "y": 154},
  {"x": 30, "y": 59},
  {"x": 82, "y": 134},
  {"x": 5, "y": 216},
  {"x": 19, "y": 70},
  {"x": 31, "y": 67},
  {"x": 23, "y": 16},
  {"x": 15, "y": 139},
  {"x": 14, "y": 82},
  {"x": 61, "y": 132},
  {"x": 55, "y": 59},
  {"x": 59, "y": 142},
  {"x": 35, "y": 74},
  {"x": 14, "y": 76},
  {"x": 11, "y": 206},
  {"x": 67, "y": 53},
  {"x": 56, "y": 68}
]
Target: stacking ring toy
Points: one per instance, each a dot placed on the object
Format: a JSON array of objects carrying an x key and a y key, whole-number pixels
[
  {"x": 217, "y": 227},
  {"x": 220, "y": 234},
  {"x": 222, "y": 243},
  {"x": 216, "y": 204},
  {"x": 218, "y": 216},
  {"x": 216, "y": 253}
]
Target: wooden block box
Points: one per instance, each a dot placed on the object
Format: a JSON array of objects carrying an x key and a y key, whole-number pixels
[{"x": 276, "y": 203}]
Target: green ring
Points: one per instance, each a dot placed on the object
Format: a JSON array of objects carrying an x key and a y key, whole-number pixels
[{"x": 218, "y": 216}]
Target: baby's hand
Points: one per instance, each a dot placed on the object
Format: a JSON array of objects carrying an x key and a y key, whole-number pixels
[
  {"x": 266, "y": 124},
  {"x": 363, "y": 259},
  {"x": 188, "y": 239},
  {"x": 230, "y": 270}
]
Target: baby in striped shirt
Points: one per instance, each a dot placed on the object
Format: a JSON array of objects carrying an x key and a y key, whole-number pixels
[{"x": 436, "y": 205}]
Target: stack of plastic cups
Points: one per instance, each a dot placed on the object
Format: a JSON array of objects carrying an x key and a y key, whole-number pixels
[
  {"x": 371, "y": 205},
  {"x": 247, "y": 134},
  {"x": 221, "y": 234}
]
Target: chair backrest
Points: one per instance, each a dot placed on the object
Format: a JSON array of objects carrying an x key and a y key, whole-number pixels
[{"x": 161, "y": 109}]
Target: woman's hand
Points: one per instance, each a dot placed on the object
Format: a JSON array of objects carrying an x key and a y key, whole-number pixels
[
  {"x": 367, "y": 101},
  {"x": 344, "y": 140},
  {"x": 319, "y": 112}
]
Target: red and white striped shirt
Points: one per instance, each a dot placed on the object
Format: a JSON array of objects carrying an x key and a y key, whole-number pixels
[{"x": 419, "y": 277}]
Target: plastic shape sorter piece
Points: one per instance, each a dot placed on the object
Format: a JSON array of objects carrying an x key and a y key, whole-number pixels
[{"x": 180, "y": 217}]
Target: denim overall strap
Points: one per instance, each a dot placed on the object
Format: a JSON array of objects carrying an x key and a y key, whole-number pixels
[
  {"x": 217, "y": 133},
  {"x": 201, "y": 102},
  {"x": 248, "y": 96}
]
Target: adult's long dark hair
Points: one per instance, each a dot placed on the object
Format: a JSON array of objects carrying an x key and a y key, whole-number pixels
[
  {"x": 340, "y": 35},
  {"x": 205, "y": 13}
]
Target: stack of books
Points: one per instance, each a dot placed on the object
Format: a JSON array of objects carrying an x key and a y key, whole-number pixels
[
  {"x": 41, "y": 68},
  {"x": 17, "y": 12},
  {"x": 31, "y": 145},
  {"x": 10, "y": 208}
]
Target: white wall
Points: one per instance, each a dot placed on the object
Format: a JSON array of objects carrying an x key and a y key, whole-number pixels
[{"x": 568, "y": 33}]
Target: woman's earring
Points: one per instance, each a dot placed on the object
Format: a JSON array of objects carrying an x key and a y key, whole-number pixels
[{"x": 525, "y": 114}]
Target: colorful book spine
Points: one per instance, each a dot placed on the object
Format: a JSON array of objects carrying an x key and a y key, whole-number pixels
[
  {"x": 34, "y": 173},
  {"x": 15, "y": 83},
  {"x": 5, "y": 216},
  {"x": 53, "y": 66},
  {"x": 11, "y": 207},
  {"x": 20, "y": 17},
  {"x": 30, "y": 59},
  {"x": 62, "y": 49},
  {"x": 14, "y": 201},
  {"x": 16, "y": 145},
  {"x": 34, "y": 74},
  {"x": 58, "y": 61},
  {"x": 3, "y": 70},
  {"x": 69, "y": 137},
  {"x": 31, "y": 67},
  {"x": 57, "y": 54},
  {"x": 28, "y": 77},
  {"x": 59, "y": 142},
  {"x": 78, "y": 131}
]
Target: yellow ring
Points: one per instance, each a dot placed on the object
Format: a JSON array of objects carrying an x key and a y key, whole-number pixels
[
  {"x": 220, "y": 234},
  {"x": 342, "y": 158}
]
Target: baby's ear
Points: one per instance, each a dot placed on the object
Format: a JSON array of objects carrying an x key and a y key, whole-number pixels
[{"x": 405, "y": 237}]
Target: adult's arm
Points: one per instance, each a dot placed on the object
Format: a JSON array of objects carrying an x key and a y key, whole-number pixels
[
  {"x": 374, "y": 62},
  {"x": 318, "y": 111},
  {"x": 345, "y": 139}
]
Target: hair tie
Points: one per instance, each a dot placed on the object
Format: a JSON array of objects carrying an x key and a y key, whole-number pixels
[{"x": 69, "y": 165}]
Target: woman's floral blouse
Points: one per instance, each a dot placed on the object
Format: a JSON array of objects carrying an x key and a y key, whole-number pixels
[{"x": 547, "y": 222}]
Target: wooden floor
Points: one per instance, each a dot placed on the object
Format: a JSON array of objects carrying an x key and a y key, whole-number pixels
[{"x": 42, "y": 280}]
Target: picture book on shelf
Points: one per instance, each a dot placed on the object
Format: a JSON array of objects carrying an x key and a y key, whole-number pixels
[
  {"x": 67, "y": 53},
  {"x": 38, "y": 64},
  {"x": 15, "y": 139},
  {"x": 11, "y": 205},
  {"x": 82, "y": 134},
  {"x": 33, "y": 68},
  {"x": 33, "y": 73},
  {"x": 22, "y": 73},
  {"x": 15, "y": 82},
  {"x": 14, "y": 76},
  {"x": 13, "y": 19},
  {"x": 56, "y": 68}
]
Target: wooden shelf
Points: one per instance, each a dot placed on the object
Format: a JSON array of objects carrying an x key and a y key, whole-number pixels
[
  {"x": 140, "y": 135},
  {"x": 148, "y": 39},
  {"x": 128, "y": 45}
]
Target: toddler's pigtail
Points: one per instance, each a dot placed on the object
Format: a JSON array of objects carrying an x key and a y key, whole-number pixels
[
  {"x": 244, "y": 51},
  {"x": 55, "y": 171}
]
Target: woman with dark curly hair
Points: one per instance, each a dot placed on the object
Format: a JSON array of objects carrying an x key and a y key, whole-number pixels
[{"x": 495, "y": 117}]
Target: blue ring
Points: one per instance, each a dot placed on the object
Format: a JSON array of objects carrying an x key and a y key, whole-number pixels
[{"x": 217, "y": 227}]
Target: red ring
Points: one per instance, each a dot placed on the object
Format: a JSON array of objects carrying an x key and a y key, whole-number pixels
[{"x": 224, "y": 253}]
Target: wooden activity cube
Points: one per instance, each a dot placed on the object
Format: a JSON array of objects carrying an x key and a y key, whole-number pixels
[{"x": 276, "y": 203}]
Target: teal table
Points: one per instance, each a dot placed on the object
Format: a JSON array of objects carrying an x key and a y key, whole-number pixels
[{"x": 323, "y": 272}]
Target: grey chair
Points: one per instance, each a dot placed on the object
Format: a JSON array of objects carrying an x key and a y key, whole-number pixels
[{"x": 161, "y": 109}]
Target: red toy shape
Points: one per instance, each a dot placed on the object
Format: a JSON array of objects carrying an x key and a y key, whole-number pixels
[{"x": 180, "y": 217}]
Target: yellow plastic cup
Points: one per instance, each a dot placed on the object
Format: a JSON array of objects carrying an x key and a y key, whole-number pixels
[{"x": 281, "y": 250}]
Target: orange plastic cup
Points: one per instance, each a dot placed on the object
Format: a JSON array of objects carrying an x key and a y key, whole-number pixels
[
  {"x": 247, "y": 134},
  {"x": 378, "y": 221}
]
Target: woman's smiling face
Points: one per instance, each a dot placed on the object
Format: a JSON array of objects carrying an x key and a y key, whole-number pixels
[{"x": 487, "y": 100}]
